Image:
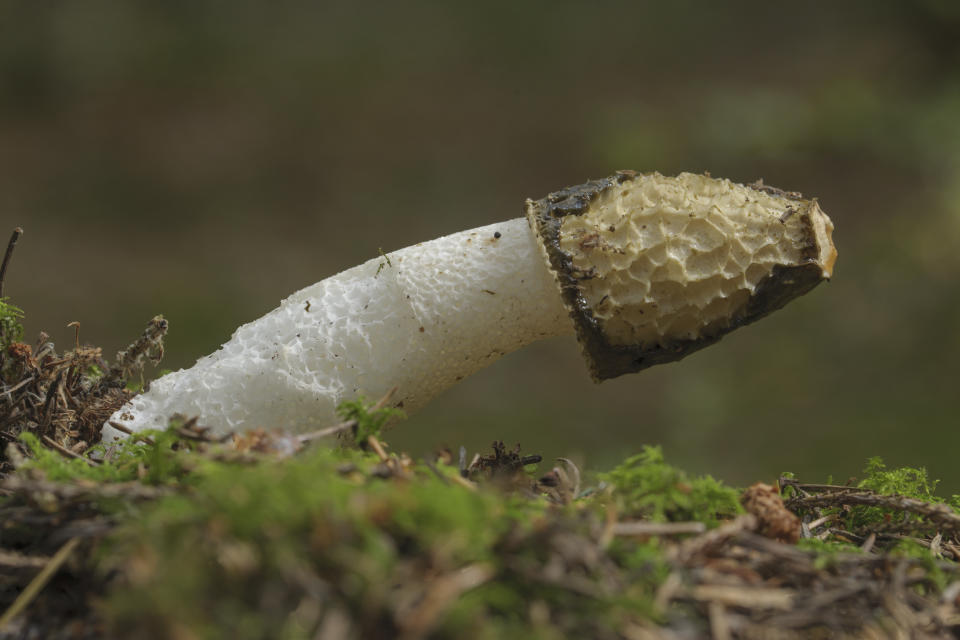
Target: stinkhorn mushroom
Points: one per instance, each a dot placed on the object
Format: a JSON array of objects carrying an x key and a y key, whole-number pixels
[{"x": 643, "y": 268}]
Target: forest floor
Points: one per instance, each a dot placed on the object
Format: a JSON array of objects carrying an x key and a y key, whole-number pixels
[{"x": 176, "y": 534}]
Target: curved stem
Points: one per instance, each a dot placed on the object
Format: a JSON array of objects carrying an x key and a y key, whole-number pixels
[{"x": 421, "y": 318}]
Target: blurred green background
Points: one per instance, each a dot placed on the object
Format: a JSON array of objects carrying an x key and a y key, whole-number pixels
[{"x": 206, "y": 159}]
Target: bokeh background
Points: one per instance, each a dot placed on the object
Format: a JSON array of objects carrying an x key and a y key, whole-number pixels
[{"x": 205, "y": 159}]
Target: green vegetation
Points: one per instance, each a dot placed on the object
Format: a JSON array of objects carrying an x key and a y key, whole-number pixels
[
  {"x": 269, "y": 545},
  {"x": 11, "y": 331},
  {"x": 150, "y": 457},
  {"x": 255, "y": 544},
  {"x": 254, "y": 539},
  {"x": 10, "y": 328},
  {"x": 904, "y": 481},
  {"x": 370, "y": 420},
  {"x": 891, "y": 501},
  {"x": 646, "y": 487},
  {"x": 268, "y": 536},
  {"x": 826, "y": 550}
]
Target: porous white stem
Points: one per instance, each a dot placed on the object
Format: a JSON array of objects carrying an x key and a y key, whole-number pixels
[{"x": 421, "y": 318}]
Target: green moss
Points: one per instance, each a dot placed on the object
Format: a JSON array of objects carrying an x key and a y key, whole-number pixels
[
  {"x": 645, "y": 486},
  {"x": 905, "y": 481},
  {"x": 10, "y": 331},
  {"x": 826, "y": 550},
  {"x": 268, "y": 549},
  {"x": 370, "y": 421},
  {"x": 934, "y": 575},
  {"x": 910, "y": 482},
  {"x": 258, "y": 538},
  {"x": 151, "y": 457},
  {"x": 10, "y": 328},
  {"x": 862, "y": 520},
  {"x": 262, "y": 547}
]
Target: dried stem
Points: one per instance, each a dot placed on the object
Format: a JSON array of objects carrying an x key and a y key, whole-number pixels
[
  {"x": 644, "y": 528},
  {"x": 120, "y": 427},
  {"x": 38, "y": 583},
  {"x": 938, "y": 514},
  {"x": 67, "y": 453},
  {"x": 17, "y": 232}
]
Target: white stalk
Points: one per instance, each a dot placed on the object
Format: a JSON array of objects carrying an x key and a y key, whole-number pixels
[
  {"x": 437, "y": 312},
  {"x": 643, "y": 268}
]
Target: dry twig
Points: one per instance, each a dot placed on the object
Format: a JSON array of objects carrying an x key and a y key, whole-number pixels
[
  {"x": 17, "y": 232},
  {"x": 38, "y": 583}
]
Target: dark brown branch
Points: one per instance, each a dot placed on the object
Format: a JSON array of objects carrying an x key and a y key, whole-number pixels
[
  {"x": 67, "y": 453},
  {"x": 50, "y": 403},
  {"x": 6, "y": 257},
  {"x": 938, "y": 514}
]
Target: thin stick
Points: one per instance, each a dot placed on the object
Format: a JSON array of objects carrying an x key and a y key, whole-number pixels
[
  {"x": 129, "y": 432},
  {"x": 939, "y": 514},
  {"x": 746, "y": 597},
  {"x": 76, "y": 326},
  {"x": 463, "y": 482},
  {"x": 121, "y": 428},
  {"x": 441, "y": 593},
  {"x": 867, "y": 546},
  {"x": 377, "y": 448},
  {"x": 719, "y": 625},
  {"x": 436, "y": 471},
  {"x": 22, "y": 383},
  {"x": 343, "y": 426},
  {"x": 6, "y": 257},
  {"x": 50, "y": 403},
  {"x": 609, "y": 522},
  {"x": 657, "y": 528},
  {"x": 11, "y": 559},
  {"x": 38, "y": 583},
  {"x": 329, "y": 431},
  {"x": 793, "y": 482},
  {"x": 820, "y": 521},
  {"x": 382, "y": 402},
  {"x": 70, "y": 454}
]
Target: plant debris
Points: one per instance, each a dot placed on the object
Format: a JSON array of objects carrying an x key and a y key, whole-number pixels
[
  {"x": 774, "y": 519},
  {"x": 178, "y": 534}
]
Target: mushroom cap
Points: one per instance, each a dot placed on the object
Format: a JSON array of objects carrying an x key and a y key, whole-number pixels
[{"x": 653, "y": 268}]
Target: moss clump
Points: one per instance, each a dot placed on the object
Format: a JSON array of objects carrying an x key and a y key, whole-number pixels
[
  {"x": 246, "y": 542},
  {"x": 11, "y": 331},
  {"x": 645, "y": 486},
  {"x": 933, "y": 571},
  {"x": 885, "y": 501},
  {"x": 827, "y": 548},
  {"x": 909, "y": 482},
  {"x": 370, "y": 419},
  {"x": 150, "y": 457},
  {"x": 253, "y": 542},
  {"x": 273, "y": 549},
  {"x": 10, "y": 328}
]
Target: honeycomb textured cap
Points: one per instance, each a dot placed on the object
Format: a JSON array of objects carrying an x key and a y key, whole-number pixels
[{"x": 653, "y": 267}]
